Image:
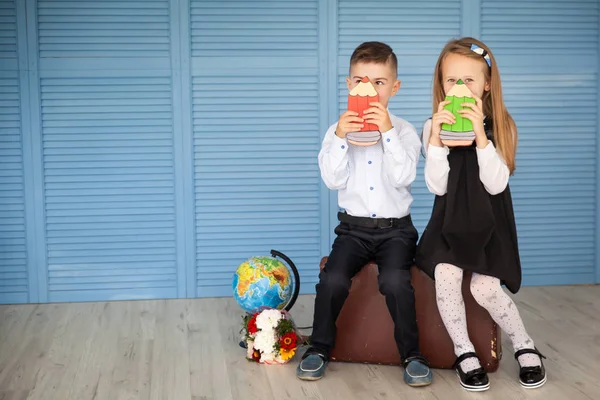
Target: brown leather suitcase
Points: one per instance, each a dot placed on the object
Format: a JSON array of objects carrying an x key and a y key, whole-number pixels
[{"x": 365, "y": 328}]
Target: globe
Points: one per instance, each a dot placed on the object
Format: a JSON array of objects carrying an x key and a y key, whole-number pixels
[{"x": 265, "y": 282}]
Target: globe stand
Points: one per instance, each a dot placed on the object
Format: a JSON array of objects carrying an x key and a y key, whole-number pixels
[{"x": 292, "y": 266}]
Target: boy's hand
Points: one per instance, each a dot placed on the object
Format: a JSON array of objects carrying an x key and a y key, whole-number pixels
[
  {"x": 348, "y": 122},
  {"x": 378, "y": 115}
]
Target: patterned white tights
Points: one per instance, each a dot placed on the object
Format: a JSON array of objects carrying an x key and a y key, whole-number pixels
[{"x": 489, "y": 294}]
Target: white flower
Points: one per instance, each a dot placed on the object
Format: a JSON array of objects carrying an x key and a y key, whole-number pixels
[
  {"x": 250, "y": 349},
  {"x": 279, "y": 360},
  {"x": 265, "y": 341},
  {"x": 268, "y": 319},
  {"x": 267, "y": 358}
]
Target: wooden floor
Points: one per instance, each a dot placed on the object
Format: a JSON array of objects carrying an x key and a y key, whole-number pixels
[{"x": 187, "y": 349}]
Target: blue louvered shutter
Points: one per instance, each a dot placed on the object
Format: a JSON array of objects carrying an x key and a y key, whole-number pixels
[
  {"x": 417, "y": 31},
  {"x": 13, "y": 255},
  {"x": 548, "y": 57},
  {"x": 256, "y": 136},
  {"x": 107, "y": 128}
]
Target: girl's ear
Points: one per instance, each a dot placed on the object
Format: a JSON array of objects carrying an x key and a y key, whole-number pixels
[{"x": 486, "y": 87}]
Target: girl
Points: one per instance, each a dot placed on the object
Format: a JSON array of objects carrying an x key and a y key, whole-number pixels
[{"x": 472, "y": 225}]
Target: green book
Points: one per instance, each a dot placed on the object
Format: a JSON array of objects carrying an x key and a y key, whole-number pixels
[{"x": 459, "y": 94}]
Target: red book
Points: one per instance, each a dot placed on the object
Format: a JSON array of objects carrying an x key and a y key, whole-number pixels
[{"x": 359, "y": 100}]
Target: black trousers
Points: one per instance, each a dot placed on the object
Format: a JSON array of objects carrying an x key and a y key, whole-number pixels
[{"x": 393, "y": 250}]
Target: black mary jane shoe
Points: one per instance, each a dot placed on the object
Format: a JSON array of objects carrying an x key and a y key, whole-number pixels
[
  {"x": 531, "y": 377},
  {"x": 475, "y": 380}
]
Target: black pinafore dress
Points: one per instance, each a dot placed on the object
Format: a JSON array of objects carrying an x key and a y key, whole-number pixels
[{"x": 469, "y": 227}]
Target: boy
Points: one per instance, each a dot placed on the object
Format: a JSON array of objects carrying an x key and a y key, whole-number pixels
[{"x": 374, "y": 189}]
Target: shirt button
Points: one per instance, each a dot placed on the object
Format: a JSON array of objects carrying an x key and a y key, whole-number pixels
[
  {"x": 370, "y": 162},
  {"x": 387, "y": 140},
  {"x": 371, "y": 188},
  {"x": 374, "y": 215},
  {"x": 343, "y": 147}
]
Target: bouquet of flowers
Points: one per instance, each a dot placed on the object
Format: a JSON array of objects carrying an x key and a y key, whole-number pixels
[{"x": 270, "y": 336}]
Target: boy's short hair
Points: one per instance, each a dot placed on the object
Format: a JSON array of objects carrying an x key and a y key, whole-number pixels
[{"x": 374, "y": 52}]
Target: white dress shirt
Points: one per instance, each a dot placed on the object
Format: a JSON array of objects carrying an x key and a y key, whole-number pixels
[
  {"x": 372, "y": 181},
  {"x": 493, "y": 171}
]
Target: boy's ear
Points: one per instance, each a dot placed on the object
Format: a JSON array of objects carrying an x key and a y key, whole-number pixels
[
  {"x": 348, "y": 82},
  {"x": 396, "y": 87}
]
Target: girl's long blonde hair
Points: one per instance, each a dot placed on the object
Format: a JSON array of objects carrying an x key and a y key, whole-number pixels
[{"x": 505, "y": 130}]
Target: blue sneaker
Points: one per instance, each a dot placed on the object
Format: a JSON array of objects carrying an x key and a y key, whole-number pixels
[
  {"x": 311, "y": 367},
  {"x": 417, "y": 372}
]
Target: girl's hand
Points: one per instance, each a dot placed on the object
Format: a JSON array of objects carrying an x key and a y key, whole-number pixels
[
  {"x": 378, "y": 115},
  {"x": 440, "y": 117},
  {"x": 474, "y": 114}
]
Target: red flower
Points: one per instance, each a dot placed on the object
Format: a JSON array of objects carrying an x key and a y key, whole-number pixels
[
  {"x": 288, "y": 341},
  {"x": 252, "y": 329}
]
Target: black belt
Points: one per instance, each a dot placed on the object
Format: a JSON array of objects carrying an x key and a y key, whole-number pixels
[{"x": 381, "y": 223}]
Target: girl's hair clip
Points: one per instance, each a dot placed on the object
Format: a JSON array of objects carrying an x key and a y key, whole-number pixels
[{"x": 483, "y": 53}]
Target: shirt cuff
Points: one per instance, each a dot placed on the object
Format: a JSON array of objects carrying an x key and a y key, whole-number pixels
[
  {"x": 439, "y": 153},
  {"x": 391, "y": 140},
  {"x": 338, "y": 147},
  {"x": 487, "y": 153}
]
